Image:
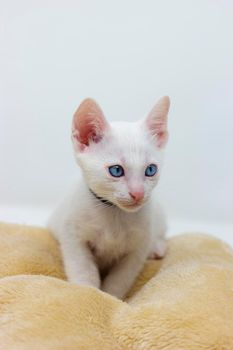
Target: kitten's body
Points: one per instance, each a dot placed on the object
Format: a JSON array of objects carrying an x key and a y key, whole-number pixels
[
  {"x": 110, "y": 234},
  {"x": 110, "y": 238}
]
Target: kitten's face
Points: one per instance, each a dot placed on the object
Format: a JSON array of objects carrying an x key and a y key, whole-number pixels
[{"x": 121, "y": 162}]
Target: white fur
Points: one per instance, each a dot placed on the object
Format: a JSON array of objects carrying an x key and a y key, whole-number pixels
[{"x": 113, "y": 241}]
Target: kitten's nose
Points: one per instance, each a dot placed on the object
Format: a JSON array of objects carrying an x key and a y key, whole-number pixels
[{"x": 137, "y": 195}]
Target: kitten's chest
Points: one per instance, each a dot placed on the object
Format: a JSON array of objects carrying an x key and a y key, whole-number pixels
[
  {"x": 108, "y": 247},
  {"x": 111, "y": 236}
]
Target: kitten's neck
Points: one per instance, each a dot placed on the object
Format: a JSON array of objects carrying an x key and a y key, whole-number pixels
[{"x": 101, "y": 199}]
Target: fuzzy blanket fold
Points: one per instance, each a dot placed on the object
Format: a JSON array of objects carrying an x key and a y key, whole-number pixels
[{"x": 183, "y": 302}]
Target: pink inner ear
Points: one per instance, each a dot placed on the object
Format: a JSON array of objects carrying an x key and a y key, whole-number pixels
[
  {"x": 162, "y": 138},
  {"x": 159, "y": 130},
  {"x": 89, "y": 129},
  {"x": 89, "y": 124},
  {"x": 157, "y": 121}
]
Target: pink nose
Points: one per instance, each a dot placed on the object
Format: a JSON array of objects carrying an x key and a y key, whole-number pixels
[{"x": 137, "y": 195}]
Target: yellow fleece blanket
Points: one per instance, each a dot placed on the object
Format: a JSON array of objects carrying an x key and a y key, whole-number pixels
[{"x": 182, "y": 302}]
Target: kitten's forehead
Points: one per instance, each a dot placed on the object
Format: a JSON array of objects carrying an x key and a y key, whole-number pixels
[
  {"x": 126, "y": 132},
  {"x": 132, "y": 143}
]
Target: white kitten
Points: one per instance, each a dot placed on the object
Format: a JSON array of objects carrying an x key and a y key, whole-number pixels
[{"x": 109, "y": 225}]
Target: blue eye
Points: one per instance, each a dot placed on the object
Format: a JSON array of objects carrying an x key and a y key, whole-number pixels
[
  {"x": 151, "y": 170},
  {"x": 116, "y": 170}
]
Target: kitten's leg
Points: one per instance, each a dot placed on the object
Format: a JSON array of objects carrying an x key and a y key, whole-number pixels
[
  {"x": 79, "y": 264},
  {"x": 158, "y": 245},
  {"x": 122, "y": 276},
  {"x": 158, "y": 249}
]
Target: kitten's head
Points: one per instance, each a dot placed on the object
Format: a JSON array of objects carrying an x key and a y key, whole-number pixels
[{"x": 121, "y": 161}]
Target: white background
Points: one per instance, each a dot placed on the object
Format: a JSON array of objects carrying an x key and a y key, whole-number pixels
[{"x": 125, "y": 54}]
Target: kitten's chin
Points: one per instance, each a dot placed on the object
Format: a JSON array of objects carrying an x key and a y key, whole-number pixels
[{"x": 130, "y": 208}]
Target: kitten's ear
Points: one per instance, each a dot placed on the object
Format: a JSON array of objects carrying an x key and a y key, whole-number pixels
[
  {"x": 156, "y": 121},
  {"x": 89, "y": 124}
]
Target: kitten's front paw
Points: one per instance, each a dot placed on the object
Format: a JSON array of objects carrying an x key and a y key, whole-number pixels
[
  {"x": 85, "y": 282},
  {"x": 89, "y": 280},
  {"x": 112, "y": 290},
  {"x": 159, "y": 250}
]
